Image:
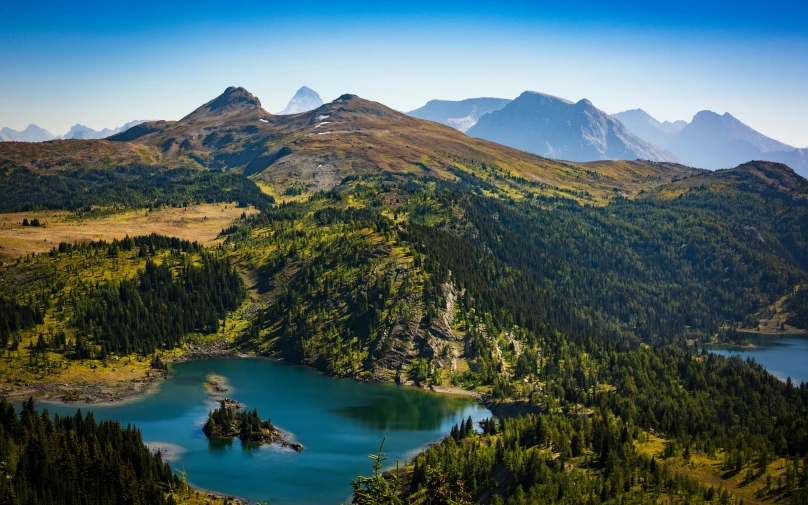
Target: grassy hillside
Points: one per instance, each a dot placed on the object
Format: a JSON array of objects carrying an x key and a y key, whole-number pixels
[{"x": 405, "y": 251}]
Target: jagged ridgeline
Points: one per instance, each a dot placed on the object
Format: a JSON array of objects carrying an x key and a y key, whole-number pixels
[
  {"x": 77, "y": 461},
  {"x": 158, "y": 290}
]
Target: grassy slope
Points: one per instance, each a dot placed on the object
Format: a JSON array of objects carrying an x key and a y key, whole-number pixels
[
  {"x": 197, "y": 223},
  {"x": 360, "y": 137}
]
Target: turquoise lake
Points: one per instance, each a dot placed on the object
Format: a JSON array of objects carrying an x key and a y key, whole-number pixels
[
  {"x": 338, "y": 421},
  {"x": 782, "y": 356}
]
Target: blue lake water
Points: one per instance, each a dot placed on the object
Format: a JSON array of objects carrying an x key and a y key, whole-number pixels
[
  {"x": 339, "y": 422},
  {"x": 782, "y": 356}
]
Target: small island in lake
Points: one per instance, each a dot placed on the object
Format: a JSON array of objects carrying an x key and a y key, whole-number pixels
[{"x": 229, "y": 422}]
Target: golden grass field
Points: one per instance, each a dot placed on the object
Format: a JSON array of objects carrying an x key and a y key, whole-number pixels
[{"x": 201, "y": 223}]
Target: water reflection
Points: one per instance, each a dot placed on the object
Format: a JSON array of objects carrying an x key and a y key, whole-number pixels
[{"x": 406, "y": 412}]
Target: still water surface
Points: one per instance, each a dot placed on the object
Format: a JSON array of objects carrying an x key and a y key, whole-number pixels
[
  {"x": 339, "y": 422},
  {"x": 783, "y": 356}
]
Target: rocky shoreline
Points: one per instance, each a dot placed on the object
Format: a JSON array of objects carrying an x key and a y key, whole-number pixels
[
  {"x": 108, "y": 393},
  {"x": 115, "y": 393}
]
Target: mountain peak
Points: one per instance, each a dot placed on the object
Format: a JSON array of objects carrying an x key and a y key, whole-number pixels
[
  {"x": 235, "y": 99},
  {"x": 305, "y": 99},
  {"x": 556, "y": 128},
  {"x": 460, "y": 115},
  {"x": 544, "y": 96},
  {"x": 32, "y": 133}
]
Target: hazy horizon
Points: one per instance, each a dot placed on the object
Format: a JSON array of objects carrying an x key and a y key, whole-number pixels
[{"x": 105, "y": 66}]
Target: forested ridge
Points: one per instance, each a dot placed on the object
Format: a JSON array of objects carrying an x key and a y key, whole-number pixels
[
  {"x": 155, "y": 310},
  {"x": 549, "y": 304},
  {"x": 76, "y": 460},
  {"x": 134, "y": 186},
  {"x": 587, "y": 318},
  {"x": 161, "y": 290}
]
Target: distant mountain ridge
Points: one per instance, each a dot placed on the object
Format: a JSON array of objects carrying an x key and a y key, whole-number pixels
[
  {"x": 713, "y": 141},
  {"x": 32, "y": 133},
  {"x": 459, "y": 114},
  {"x": 643, "y": 125},
  {"x": 557, "y": 128},
  {"x": 317, "y": 150},
  {"x": 305, "y": 99}
]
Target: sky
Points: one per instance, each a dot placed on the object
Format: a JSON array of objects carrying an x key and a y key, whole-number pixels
[{"x": 105, "y": 64}]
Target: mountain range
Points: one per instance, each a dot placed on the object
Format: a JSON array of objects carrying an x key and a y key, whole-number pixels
[
  {"x": 403, "y": 250},
  {"x": 545, "y": 125},
  {"x": 305, "y": 99},
  {"x": 34, "y": 133},
  {"x": 713, "y": 141},
  {"x": 79, "y": 131},
  {"x": 348, "y": 137},
  {"x": 557, "y": 128},
  {"x": 462, "y": 114}
]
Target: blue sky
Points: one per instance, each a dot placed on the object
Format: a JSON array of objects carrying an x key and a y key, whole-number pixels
[{"x": 103, "y": 65}]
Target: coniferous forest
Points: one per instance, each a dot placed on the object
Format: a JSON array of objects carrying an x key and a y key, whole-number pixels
[
  {"x": 578, "y": 315},
  {"x": 77, "y": 460}
]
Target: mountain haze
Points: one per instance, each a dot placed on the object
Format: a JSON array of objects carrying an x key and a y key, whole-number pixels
[
  {"x": 557, "y": 128},
  {"x": 305, "y": 99},
  {"x": 82, "y": 132},
  {"x": 32, "y": 133},
  {"x": 460, "y": 114},
  {"x": 381, "y": 247},
  {"x": 346, "y": 138},
  {"x": 643, "y": 125},
  {"x": 713, "y": 141}
]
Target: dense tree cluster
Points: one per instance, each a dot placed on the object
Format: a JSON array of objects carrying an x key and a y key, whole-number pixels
[
  {"x": 157, "y": 309},
  {"x": 797, "y": 307},
  {"x": 657, "y": 270},
  {"x": 559, "y": 459},
  {"x": 76, "y": 460},
  {"x": 22, "y": 189},
  {"x": 16, "y": 316},
  {"x": 227, "y": 421}
]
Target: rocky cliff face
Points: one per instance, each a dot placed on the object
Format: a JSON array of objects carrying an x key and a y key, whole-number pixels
[{"x": 556, "y": 128}]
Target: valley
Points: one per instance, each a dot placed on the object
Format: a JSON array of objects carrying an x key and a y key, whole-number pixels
[{"x": 571, "y": 298}]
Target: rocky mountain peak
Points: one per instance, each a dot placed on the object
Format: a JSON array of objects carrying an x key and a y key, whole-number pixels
[
  {"x": 305, "y": 99},
  {"x": 235, "y": 99}
]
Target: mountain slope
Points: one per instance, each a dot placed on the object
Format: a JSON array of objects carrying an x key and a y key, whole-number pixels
[
  {"x": 32, "y": 133},
  {"x": 713, "y": 141},
  {"x": 720, "y": 141},
  {"x": 305, "y": 99},
  {"x": 556, "y": 128},
  {"x": 462, "y": 114},
  {"x": 140, "y": 129},
  {"x": 643, "y": 125},
  {"x": 352, "y": 136}
]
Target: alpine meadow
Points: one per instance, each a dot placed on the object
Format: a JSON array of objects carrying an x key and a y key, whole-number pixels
[{"x": 501, "y": 301}]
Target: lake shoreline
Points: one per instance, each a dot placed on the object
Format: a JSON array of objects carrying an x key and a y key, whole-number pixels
[
  {"x": 107, "y": 394},
  {"x": 361, "y": 413}
]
